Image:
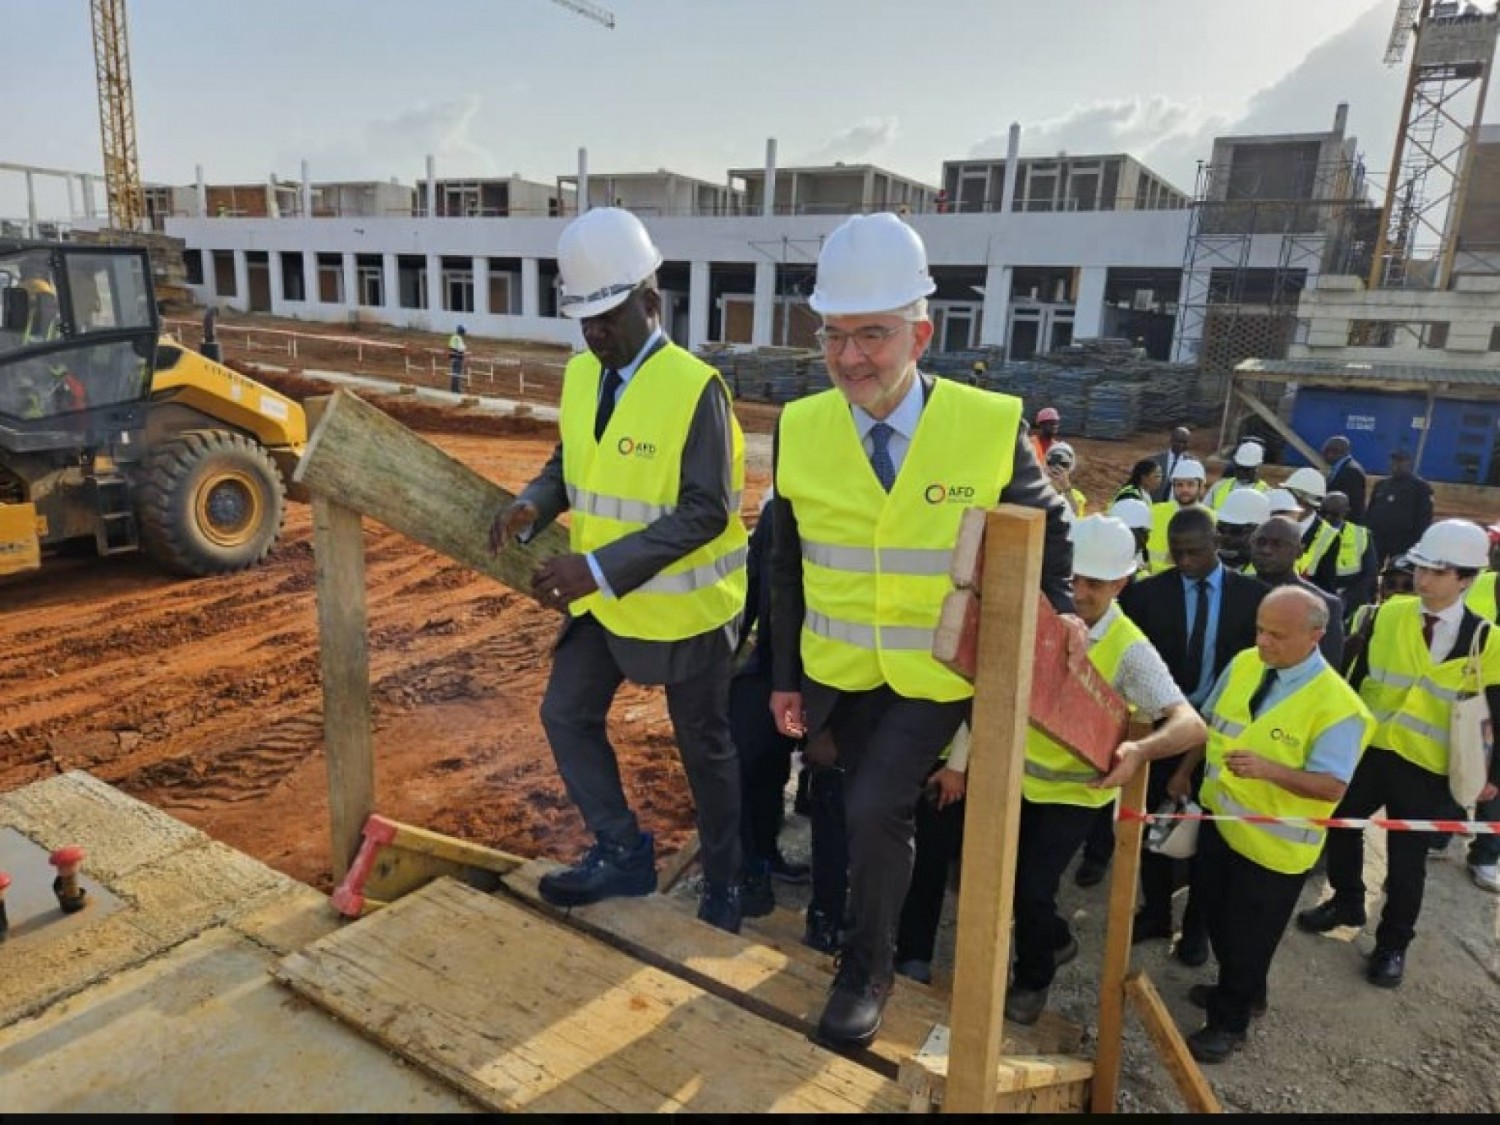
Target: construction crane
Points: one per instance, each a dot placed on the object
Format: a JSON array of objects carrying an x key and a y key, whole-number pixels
[{"x": 122, "y": 166}]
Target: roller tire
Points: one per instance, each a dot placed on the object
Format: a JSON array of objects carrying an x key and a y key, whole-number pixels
[{"x": 209, "y": 502}]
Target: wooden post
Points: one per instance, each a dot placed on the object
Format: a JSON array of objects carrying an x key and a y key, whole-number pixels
[
  {"x": 339, "y": 548},
  {"x": 1002, "y": 692},
  {"x": 1314, "y": 458},
  {"x": 1119, "y": 924},
  {"x": 1196, "y": 1092}
]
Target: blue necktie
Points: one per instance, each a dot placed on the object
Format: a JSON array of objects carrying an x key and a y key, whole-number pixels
[{"x": 880, "y": 455}]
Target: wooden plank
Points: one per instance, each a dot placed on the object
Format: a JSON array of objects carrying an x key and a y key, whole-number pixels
[
  {"x": 784, "y": 982},
  {"x": 1119, "y": 924},
  {"x": 339, "y": 553},
  {"x": 1272, "y": 419},
  {"x": 1196, "y": 1093},
  {"x": 369, "y": 462},
  {"x": 524, "y": 1014},
  {"x": 1002, "y": 689},
  {"x": 675, "y": 868},
  {"x": 926, "y": 1072}
]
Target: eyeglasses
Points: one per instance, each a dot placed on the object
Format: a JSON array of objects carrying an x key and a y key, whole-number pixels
[{"x": 868, "y": 340}]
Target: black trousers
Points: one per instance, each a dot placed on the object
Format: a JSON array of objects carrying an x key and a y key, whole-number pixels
[
  {"x": 765, "y": 764},
  {"x": 830, "y": 842},
  {"x": 1384, "y": 779},
  {"x": 1246, "y": 908},
  {"x": 887, "y": 745},
  {"x": 939, "y": 839},
  {"x": 1050, "y": 837},
  {"x": 1100, "y": 846},
  {"x": 1160, "y": 875},
  {"x": 575, "y": 708}
]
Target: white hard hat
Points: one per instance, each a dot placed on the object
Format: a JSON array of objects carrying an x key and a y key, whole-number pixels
[
  {"x": 1103, "y": 548},
  {"x": 1308, "y": 482},
  {"x": 1245, "y": 505},
  {"x": 1062, "y": 451},
  {"x": 870, "y": 264},
  {"x": 1279, "y": 500},
  {"x": 603, "y": 255},
  {"x": 1249, "y": 455},
  {"x": 1188, "y": 469},
  {"x": 1455, "y": 543},
  {"x": 1134, "y": 514}
]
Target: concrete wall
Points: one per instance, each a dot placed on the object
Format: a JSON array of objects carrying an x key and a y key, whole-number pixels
[{"x": 1471, "y": 312}]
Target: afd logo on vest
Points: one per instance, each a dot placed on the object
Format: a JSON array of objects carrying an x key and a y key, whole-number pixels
[
  {"x": 936, "y": 493},
  {"x": 1281, "y": 734},
  {"x": 629, "y": 447}
]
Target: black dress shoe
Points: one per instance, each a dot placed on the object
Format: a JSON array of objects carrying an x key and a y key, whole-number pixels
[
  {"x": 605, "y": 871},
  {"x": 1214, "y": 1044},
  {"x": 1386, "y": 967},
  {"x": 851, "y": 1018},
  {"x": 1025, "y": 1005},
  {"x": 1198, "y": 998},
  {"x": 1147, "y": 927},
  {"x": 720, "y": 906},
  {"x": 1191, "y": 950},
  {"x": 757, "y": 899},
  {"x": 1065, "y": 952},
  {"x": 822, "y": 932},
  {"x": 784, "y": 870},
  {"x": 1329, "y": 916},
  {"x": 1090, "y": 872}
]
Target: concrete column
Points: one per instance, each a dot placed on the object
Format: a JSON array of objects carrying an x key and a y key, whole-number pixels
[
  {"x": 768, "y": 205},
  {"x": 89, "y": 210},
  {"x": 531, "y": 287},
  {"x": 995, "y": 320},
  {"x": 306, "y": 193},
  {"x": 273, "y": 207},
  {"x": 1088, "y": 315},
  {"x": 210, "y": 277},
  {"x": 278, "y": 290},
  {"x": 241, "y": 281},
  {"x": 583, "y": 182},
  {"x": 431, "y": 188},
  {"x": 698, "y": 304},
  {"x": 351, "y": 280},
  {"x": 201, "y": 192},
  {"x": 310, "y": 279},
  {"x": 392, "y": 292},
  {"x": 68, "y": 180},
  {"x": 30, "y": 205},
  {"x": 1012, "y": 168},
  {"x": 435, "y": 302},
  {"x": 482, "y": 287},
  {"x": 765, "y": 304}
]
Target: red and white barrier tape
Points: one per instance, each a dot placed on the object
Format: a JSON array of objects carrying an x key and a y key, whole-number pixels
[{"x": 1455, "y": 827}]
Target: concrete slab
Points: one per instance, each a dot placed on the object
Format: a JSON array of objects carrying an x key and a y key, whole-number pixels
[{"x": 30, "y": 905}]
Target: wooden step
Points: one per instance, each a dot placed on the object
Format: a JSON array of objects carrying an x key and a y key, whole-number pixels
[{"x": 525, "y": 1014}]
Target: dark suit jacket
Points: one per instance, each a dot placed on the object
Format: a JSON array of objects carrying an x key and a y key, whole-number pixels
[
  {"x": 1164, "y": 492},
  {"x": 1157, "y": 605},
  {"x": 704, "y": 508},
  {"x": 1029, "y": 486},
  {"x": 1350, "y": 480},
  {"x": 1332, "y": 644}
]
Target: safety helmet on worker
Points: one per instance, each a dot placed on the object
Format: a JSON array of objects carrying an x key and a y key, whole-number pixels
[
  {"x": 1250, "y": 455},
  {"x": 1455, "y": 544},
  {"x": 1061, "y": 453},
  {"x": 1189, "y": 469},
  {"x": 1134, "y": 514},
  {"x": 1308, "y": 484},
  {"x": 1245, "y": 506},
  {"x": 870, "y": 264},
  {"x": 1048, "y": 414},
  {"x": 602, "y": 256},
  {"x": 1283, "y": 503},
  {"x": 1103, "y": 548}
]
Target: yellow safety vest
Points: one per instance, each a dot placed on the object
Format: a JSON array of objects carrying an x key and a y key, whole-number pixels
[
  {"x": 875, "y": 565},
  {"x": 1284, "y": 733},
  {"x": 1354, "y": 541},
  {"x": 1410, "y": 696},
  {"x": 1222, "y": 488},
  {"x": 1158, "y": 552},
  {"x": 1053, "y": 775},
  {"x": 1481, "y": 596},
  {"x": 1325, "y": 535},
  {"x": 1079, "y": 502},
  {"x": 631, "y": 477}
]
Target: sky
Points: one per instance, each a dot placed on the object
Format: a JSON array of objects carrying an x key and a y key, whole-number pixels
[{"x": 365, "y": 89}]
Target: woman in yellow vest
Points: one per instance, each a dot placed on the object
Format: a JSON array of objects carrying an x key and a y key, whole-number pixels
[
  {"x": 1285, "y": 735},
  {"x": 1409, "y": 675},
  {"x": 1061, "y": 461},
  {"x": 1061, "y": 797}
]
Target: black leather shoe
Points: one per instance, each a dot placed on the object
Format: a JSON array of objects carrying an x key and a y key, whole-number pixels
[
  {"x": 822, "y": 932},
  {"x": 1386, "y": 967},
  {"x": 1024, "y": 1005},
  {"x": 1065, "y": 952},
  {"x": 784, "y": 870},
  {"x": 1329, "y": 916},
  {"x": 856, "y": 1003},
  {"x": 1214, "y": 1044},
  {"x": 757, "y": 899},
  {"x": 1146, "y": 928},
  {"x": 1198, "y": 998},
  {"x": 1090, "y": 872},
  {"x": 720, "y": 906},
  {"x": 1191, "y": 950},
  {"x": 605, "y": 871}
]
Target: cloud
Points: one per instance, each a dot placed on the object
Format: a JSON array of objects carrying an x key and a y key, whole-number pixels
[
  {"x": 858, "y": 143},
  {"x": 444, "y": 130},
  {"x": 1135, "y": 125}
]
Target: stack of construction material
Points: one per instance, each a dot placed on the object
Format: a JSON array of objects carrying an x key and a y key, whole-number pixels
[
  {"x": 1114, "y": 410},
  {"x": 1069, "y": 391},
  {"x": 1168, "y": 395}
]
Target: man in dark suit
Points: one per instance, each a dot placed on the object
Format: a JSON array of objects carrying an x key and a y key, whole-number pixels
[
  {"x": 1199, "y": 615},
  {"x": 1275, "y": 547},
  {"x": 1400, "y": 508},
  {"x": 1346, "y": 475},
  {"x": 861, "y": 548},
  {"x": 651, "y": 463},
  {"x": 1177, "y": 450}
]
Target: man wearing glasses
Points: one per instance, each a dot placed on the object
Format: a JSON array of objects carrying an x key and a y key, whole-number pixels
[{"x": 872, "y": 478}]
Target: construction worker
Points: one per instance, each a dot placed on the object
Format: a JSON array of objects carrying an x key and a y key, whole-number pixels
[
  {"x": 1061, "y": 797},
  {"x": 1484, "y": 850},
  {"x": 1409, "y": 675},
  {"x": 1061, "y": 461},
  {"x": 872, "y": 478},
  {"x": 458, "y": 358},
  {"x": 1242, "y": 512},
  {"x": 1044, "y": 432},
  {"x": 1481, "y": 596},
  {"x": 1395, "y": 581},
  {"x": 1285, "y": 735},
  {"x": 1319, "y": 538},
  {"x": 1349, "y": 566},
  {"x": 1243, "y": 472},
  {"x": 1187, "y": 492},
  {"x": 1283, "y": 503},
  {"x": 651, "y": 463}
]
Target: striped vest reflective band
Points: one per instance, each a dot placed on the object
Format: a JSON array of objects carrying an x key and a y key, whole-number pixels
[
  {"x": 1055, "y": 776},
  {"x": 1481, "y": 596},
  {"x": 1284, "y": 733},
  {"x": 1325, "y": 535},
  {"x": 1354, "y": 541},
  {"x": 875, "y": 565},
  {"x": 1410, "y": 696},
  {"x": 630, "y": 478},
  {"x": 1158, "y": 549}
]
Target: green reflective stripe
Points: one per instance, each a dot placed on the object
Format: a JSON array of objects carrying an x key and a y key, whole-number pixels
[
  {"x": 915, "y": 561},
  {"x": 1228, "y": 806},
  {"x": 1394, "y": 679},
  {"x": 685, "y": 582},
  {"x": 1227, "y": 727},
  {"x": 1426, "y": 730},
  {"x": 861, "y": 636},
  {"x": 1042, "y": 773},
  {"x": 616, "y": 507}
]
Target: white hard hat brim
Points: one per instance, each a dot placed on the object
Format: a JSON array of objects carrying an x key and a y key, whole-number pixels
[{"x": 823, "y": 306}]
